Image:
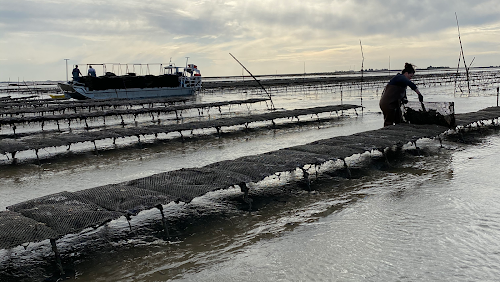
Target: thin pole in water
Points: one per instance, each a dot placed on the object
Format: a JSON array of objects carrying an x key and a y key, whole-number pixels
[
  {"x": 362, "y": 66},
  {"x": 498, "y": 92},
  {"x": 389, "y": 70},
  {"x": 463, "y": 55},
  {"x": 269, "y": 95}
]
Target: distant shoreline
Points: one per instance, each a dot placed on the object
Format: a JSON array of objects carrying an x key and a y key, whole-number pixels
[{"x": 293, "y": 78}]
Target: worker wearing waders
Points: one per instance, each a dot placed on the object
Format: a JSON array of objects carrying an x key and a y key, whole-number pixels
[
  {"x": 76, "y": 73},
  {"x": 394, "y": 95}
]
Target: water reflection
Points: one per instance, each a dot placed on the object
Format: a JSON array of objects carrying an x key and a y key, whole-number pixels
[
  {"x": 426, "y": 217},
  {"x": 436, "y": 225}
]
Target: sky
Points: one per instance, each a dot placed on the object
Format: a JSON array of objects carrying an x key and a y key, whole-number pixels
[{"x": 267, "y": 37}]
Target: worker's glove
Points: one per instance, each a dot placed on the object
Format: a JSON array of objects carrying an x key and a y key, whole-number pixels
[{"x": 420, "y": 98}]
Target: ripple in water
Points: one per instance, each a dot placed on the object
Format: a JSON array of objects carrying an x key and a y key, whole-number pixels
[{"x": 441, "y": 224}]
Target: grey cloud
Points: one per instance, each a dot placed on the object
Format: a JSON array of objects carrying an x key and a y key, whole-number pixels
[
  {"x": 287, "y": 29},
  {"x": 374, "y": 17},
  {"x": 248, "y": 18}
]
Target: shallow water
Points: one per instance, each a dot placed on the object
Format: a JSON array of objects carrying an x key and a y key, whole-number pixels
[
  {"x": 428, "y": 218},
  {"x": 431, "y": 217},
  {"x": 87, "y": 170}
]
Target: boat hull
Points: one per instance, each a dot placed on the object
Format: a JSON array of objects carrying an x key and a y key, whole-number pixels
[
  {"x": 82, "y": 92},
  {"x": 65, "y": 87}
]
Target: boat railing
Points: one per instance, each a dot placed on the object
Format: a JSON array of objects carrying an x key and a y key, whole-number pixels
[{"x": 192, "y": 82}]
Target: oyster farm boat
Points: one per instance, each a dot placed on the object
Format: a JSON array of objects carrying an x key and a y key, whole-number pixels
[{"x": 176, "y": 81}]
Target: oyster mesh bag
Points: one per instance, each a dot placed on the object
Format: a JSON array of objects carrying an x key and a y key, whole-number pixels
[{"x": 440, "y": 113}]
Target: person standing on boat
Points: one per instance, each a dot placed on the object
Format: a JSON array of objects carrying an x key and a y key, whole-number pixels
[
  {"x": 91, "y": 71},
  {"x": 394, "y": 95},
  {"x": 76, "y": 74}
]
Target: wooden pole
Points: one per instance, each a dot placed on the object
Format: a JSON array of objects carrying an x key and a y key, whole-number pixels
[
  {"x": 456, "y": 77},
  {"x": 362, "y": 66},
  {"x": 269, "y": 95},
  {"x": 463, "y": 56}
]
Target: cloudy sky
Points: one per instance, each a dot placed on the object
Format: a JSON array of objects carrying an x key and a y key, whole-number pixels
[{"x": 268, "y": 37}]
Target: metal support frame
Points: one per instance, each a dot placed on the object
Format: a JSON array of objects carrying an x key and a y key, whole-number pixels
[
  {"x": 57, "y": 255},
  {"x": 163, "y": 220},
  {"x": 246, "y": 199}
]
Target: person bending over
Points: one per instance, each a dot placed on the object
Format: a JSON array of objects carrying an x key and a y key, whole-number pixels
[{"x": 395, "y": 94}]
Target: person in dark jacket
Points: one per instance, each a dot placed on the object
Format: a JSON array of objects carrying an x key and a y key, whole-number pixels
[
  {"x": 76, "y": 73},
  {"x": 91, "y": 71},
  {"x": 394, "y": 95}
]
